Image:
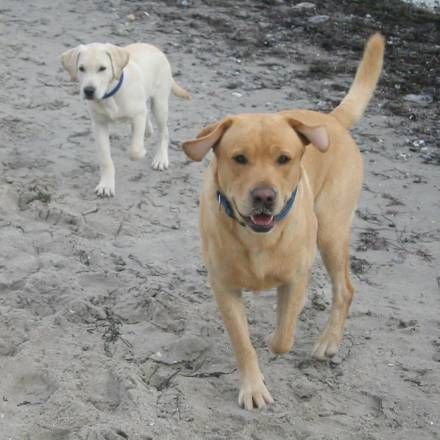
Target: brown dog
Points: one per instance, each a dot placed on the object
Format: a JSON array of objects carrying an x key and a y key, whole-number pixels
[{"x": 277, "y": 185}]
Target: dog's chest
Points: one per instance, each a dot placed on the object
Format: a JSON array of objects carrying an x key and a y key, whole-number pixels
[
  {"x": 262, "y": 270},
  {"x": 110, "y": 110}
]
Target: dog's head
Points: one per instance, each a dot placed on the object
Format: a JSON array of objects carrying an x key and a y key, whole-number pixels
[
  {"x": 258, "y": 160},
  {"x": 96, "y": 66}
]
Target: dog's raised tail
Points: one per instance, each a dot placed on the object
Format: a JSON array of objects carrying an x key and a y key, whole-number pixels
[
  {"x": 350, "y": 110},
  {"x": 180, "y": 91}
]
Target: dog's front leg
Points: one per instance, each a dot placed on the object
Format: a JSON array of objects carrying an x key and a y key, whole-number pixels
[
  {"x": 160, "y": 111},
  {"x": 253, "y": 391},
  {"x": 138, "y": 124},
  {"x": 106, "y": 185},
  {"x": 290, "y": 302}
]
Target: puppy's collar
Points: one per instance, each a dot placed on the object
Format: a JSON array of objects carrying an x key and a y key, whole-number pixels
[
  {"x": 226, "y": 205},
  {"x": 115, "y": 88}
]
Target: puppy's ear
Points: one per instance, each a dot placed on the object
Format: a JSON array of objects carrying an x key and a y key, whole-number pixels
[
  {"x": 197, "y": 149},
  {"x": 311, "y": 127},
  {"x": 69, "y": 60},
  {"x": 119, "y": 58}
]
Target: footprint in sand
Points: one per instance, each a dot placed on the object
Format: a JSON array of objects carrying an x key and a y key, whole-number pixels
[{"x": 32, "y": 388}]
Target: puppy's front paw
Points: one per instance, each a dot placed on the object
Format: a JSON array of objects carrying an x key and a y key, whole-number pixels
[
  {"x": 105, "y": 188},
  {"x": 254, "y": 394},
  {"x": 137, "y": 153},
  {"x": 160, "y": 161}
]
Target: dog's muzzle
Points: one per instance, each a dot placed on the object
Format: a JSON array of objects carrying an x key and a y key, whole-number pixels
[
  {"x": 263, "y": 202},
  {"x": 262, "y": 218},
  {"x": 89, "y": 92}
]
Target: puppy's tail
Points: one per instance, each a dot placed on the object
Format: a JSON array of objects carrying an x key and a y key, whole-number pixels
[
  {"x": 350, "y": 110},
  {"x": 180, "y": 91}
]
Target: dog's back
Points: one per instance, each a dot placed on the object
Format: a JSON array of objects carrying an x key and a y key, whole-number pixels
[
  {"x": 154, "y": 64},
  {"x": 151, "y": 61}
]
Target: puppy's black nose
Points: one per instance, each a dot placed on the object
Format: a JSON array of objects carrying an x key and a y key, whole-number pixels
[
  {"x": 89, "y": 92},
  {"x": 263, "y": 197}
]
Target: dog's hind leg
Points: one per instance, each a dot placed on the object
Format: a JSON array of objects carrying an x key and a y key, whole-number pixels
[
  {"x": 149, "y": 128},
  {"x": 333, "y": 243},
  {"x": 160, "y": 110},
  {"x": 138, "y": 125}
]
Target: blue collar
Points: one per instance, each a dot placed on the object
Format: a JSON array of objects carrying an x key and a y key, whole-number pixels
[
  {"x": 226, "y": 204},
  {"x": 115, "y": 88}
]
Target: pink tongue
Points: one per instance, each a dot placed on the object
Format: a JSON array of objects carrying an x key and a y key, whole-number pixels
[{"x": 262, "y": 219}]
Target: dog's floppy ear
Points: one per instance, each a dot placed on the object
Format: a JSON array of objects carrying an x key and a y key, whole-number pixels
[
  {"x": 197, "y": 149},
  {"x": 119, "y": 58},
  {"x": 69, "y": 60},
  {"x": 310, "y": 126}
]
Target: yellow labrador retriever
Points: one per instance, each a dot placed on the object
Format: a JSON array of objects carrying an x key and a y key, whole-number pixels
[
  {"x": 117, "y": 83},
  {"x": 277, "y": 185}
]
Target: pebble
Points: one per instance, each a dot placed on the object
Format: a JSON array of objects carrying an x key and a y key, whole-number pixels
[
  {"x": 318, "y": 19},
  {"x": 417, "y": 146},
  {"x": 187, "y": 349},
  {"x": 430, "y": 157},
  {"x": 120, "y": 30},
  {"x": 419, "y": 143},
  {"x": 402, "y": 156},
  {"x": 304, "y": 6},
  {"x": 419, "y": 99}
]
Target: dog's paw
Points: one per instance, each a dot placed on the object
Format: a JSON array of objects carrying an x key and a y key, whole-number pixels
[
  {"x": 280, "y": 344},
  {"x": 327, "y": 345},
  {"x": 137, "y": 154},
  {"x": 254, "y": 394},
  {"x": 105, "y": 188},
  {"x": 160, "y": 161}
]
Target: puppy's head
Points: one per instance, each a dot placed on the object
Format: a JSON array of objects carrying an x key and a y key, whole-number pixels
[
  {"x": 258, "y": 160},
  {"x": 96, "y": 66}
]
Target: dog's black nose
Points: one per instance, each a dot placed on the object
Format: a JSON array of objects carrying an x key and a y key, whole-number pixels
[
  {"x": 263, "y": 197},
  {"x": 89, "y": 92}
]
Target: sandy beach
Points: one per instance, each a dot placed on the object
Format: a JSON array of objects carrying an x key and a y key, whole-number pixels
[{"x": 108, "y": 328}]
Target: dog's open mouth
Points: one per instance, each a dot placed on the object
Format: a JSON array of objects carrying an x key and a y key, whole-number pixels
[{"x": 261, "y": 222}]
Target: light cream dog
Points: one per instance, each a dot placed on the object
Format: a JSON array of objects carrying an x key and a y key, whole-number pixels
[
  {"x": 278, "y": 185},
  {"x": 117, "y": 83}
]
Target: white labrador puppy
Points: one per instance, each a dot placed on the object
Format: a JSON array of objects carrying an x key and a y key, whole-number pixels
[{"x": 117, "y": 83}]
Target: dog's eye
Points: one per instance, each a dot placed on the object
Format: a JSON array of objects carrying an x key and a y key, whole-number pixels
[
  {"x": 283, "y": 159},
  {"x": 81, "y": 69},
  {"x": 102, "y": 68},
  {"x": 241, "y": 159}
]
